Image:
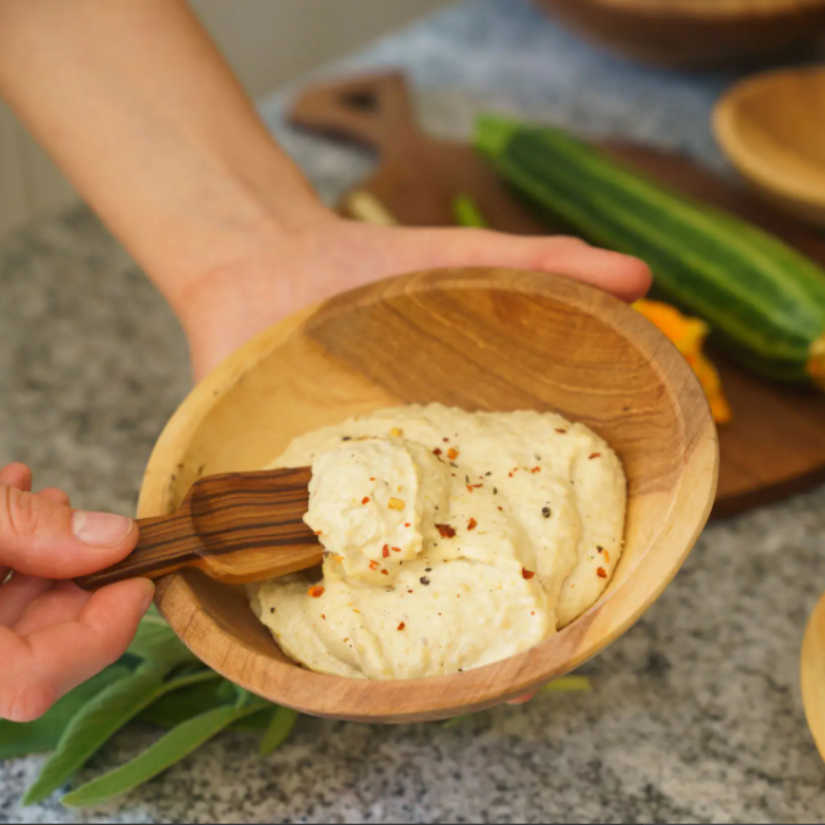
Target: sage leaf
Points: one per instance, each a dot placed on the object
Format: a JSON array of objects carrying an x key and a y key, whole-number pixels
[
  {"x": 156, "y": 642},
  {"x": 169, "y": 749},
  {"x": 455, "y": 722},
  {"x": 258, "y": 721},
  {"x": 101, "y": 718},
  {"x": 569, "y": 684},
  {"x": 21, "y": 739},
  {"x": 178, "y": 706},
  {"x": 280, "y": 727}
]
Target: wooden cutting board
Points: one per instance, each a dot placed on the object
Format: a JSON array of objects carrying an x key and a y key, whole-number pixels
[{"x": 775, "y": 445}]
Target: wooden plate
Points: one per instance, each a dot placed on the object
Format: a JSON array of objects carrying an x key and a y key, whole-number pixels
[
  {"x": 477, "y": 339},
  {"x": 776, "y": 443}
]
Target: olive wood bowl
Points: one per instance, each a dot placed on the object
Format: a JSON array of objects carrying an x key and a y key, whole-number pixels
[{"x": 480, "y": 339}]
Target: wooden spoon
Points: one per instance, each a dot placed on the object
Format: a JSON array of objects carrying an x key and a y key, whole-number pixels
[
  {"x": 772, "y": 126},
  {"x": 812, "y": 674},
  {"x": 236, "y": 528}
]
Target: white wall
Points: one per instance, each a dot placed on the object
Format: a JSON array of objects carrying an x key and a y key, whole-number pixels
[{"x": 267, "y": 42}]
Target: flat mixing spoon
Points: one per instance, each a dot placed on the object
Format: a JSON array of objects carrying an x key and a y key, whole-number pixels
[{"x": 236, "y": 528}]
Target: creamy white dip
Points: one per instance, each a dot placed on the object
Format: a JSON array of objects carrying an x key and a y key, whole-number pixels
[{"x": 455, "y": 539}]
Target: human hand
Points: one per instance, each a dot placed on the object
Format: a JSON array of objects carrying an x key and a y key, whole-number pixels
[
  {"x": 53, "y": 635},
  {"x": 230, "y": 304},
  {"x": 278, "y": 274}
]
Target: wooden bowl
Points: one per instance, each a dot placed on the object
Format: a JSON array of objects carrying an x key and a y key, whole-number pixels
[
  {"x": 772, "y": 127},
  {"x": 693, "y": 33},
  {"x": 479, "y": 339}
]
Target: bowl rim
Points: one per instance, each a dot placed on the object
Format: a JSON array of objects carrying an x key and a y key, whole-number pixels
[
  {"x": 442, "y": 697},
  {"x": 762, "y": 173},
  {"x": 724, "y": 10}
]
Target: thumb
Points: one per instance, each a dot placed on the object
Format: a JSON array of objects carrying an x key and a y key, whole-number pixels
[{"x": 40, "y": 537}]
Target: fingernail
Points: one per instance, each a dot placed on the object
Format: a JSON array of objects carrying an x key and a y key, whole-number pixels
[{"x": 100, "y": 529}]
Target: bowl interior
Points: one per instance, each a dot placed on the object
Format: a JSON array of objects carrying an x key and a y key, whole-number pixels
[
  {"x": 477, "y": 339},
  {"x": 771, "y": 125}
]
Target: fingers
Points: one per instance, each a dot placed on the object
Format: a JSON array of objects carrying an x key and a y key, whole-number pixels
[
  {"x": 41, "y": 536},
  {"x": 626, "y": 277},
  {"x": 56, "y": 495},
  {"x": 51, "y": 661},
  {"x": 16, "y": 475},
  {"x": 17, "y": 594},
  {"x": 19, "y": 476},
  {"x": 62, "y": 602}
]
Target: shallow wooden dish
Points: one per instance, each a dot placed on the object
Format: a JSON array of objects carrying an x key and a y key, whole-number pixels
[
  {"x": 478, "y": 339},
  {"x": 772, "y": 127},
  {"x": 693, "y": 33}
]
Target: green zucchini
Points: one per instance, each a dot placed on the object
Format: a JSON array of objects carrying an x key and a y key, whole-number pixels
[{"x": 764, "y": 300}]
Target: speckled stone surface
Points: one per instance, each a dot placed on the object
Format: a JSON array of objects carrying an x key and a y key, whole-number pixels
[{"x": 696, "y": 714}]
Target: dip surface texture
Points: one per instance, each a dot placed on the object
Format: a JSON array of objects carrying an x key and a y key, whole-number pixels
[{"x": 454, "y": 539}]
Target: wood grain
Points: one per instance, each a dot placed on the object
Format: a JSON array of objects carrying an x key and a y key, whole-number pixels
[
  {"x": 479, "y": 339},
  {"x": 776, "y": 443},
  {"x": 236, "y": 527},
  {"x": 812, "y": 674},
  {"x": 772, "y": 126},
  {"x": 693, "y": 33}
]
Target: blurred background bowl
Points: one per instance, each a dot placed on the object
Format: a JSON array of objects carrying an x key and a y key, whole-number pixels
[{"x": 694, "y": 33}]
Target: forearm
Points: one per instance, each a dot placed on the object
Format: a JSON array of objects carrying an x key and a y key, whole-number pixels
[{"x": 138, "y": 107}]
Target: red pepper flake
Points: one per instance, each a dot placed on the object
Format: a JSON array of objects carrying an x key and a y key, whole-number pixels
[
  {"x": 316, "y": 592},
  {"x": 471, "y": 487},
  {"x": 317, "y": 532},
  {"x": 601, "y": 573},
  {"x": 385, "y": 551},
  {"x": 437, "y": 451},
  {"x": 607, "y": 556},
  {"x": 472, "y": 524},
  {"x": 401, "y": 626},
  {"x": 445, "y": 531},
  {"x": 407, "y": 524},
  {"x": 445, "y": 440},
  {"x": 501, "y": 508},
  {"x": 385, "y": 573},
  {"x": 561, "y": 431},
  {"x": 365, "y": 500},
  {"x": 536, "y": 470},
  {"x": 527, "y": 574},
  {"x": 372, "y": 479},
  {"x": 396, "y": 550},
  {"x": 373, "y": 565},
  {"x": 594, "y": 455},
  {"x": 323, "y": 616},
  {"x": 452, "y": 454}
]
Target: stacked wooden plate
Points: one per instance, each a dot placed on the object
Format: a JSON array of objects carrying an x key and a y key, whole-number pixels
[{"x": 694, "y": 33}]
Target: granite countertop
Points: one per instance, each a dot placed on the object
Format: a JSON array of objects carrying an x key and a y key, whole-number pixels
[{"x": 696, "y": 713}]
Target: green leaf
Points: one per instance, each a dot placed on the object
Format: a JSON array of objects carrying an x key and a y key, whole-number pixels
[
  {"x": 101, "y": 718},
  {"x": 467, "y": 212},
  {"x": 155, "y": 641},
  {"x": 280, "y": 727},
  {"x": 168, "y": 750},
  {"x": 180, "y": 705},
  {"x": 455, "y": 722},
  {"x": 43, "y": 734},
  {"x": 258, "y": 721},
  {"x": 569, "y": 684}
]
